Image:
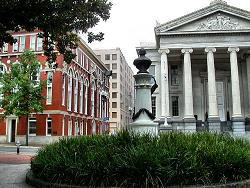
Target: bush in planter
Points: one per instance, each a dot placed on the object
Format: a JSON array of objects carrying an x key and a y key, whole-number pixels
[{"x": 131, "y": 160}]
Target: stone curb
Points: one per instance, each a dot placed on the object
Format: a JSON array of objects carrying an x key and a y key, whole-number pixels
[{"x": 31, "y": 180}]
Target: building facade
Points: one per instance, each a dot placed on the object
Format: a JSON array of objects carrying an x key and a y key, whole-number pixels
[
  {"x": 121, "y": 90},
  {"x": 201, "y": 63},
  {"x": 74, "y": 93}
]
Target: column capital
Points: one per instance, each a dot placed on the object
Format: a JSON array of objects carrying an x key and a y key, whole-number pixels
[
  {"x": 187, "y": 50},
  {"x": 166, "y": 50},
  {"x": 233, "y": 49},
  {"x": 210, "y": 49}
]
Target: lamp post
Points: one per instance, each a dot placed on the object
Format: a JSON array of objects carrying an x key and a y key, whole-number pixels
[{"x": 104, "y": 99}]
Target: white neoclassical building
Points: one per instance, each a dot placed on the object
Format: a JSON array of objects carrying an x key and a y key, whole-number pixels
[{"x": 201, "y": 62}]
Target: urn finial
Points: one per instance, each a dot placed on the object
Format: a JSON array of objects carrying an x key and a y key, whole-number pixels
[{"x": 142, "y": 63}]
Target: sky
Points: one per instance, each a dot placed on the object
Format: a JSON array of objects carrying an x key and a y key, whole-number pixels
[{"x": 133, "y": 21}]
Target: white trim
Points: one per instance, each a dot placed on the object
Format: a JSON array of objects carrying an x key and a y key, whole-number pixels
[{"x": 48, "y": 119}]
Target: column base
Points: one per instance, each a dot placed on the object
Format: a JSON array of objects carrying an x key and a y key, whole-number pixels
[
  {"x": 189, "y": 125},
  {"x": 238, "y": 125},
  {"x": 214, "y": 124}
]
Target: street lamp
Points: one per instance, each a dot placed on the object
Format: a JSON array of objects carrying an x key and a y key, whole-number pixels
[{"x": 104, "y": 99}]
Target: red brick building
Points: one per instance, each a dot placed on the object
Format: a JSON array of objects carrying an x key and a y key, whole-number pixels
[{"x": 73, "y": 104}]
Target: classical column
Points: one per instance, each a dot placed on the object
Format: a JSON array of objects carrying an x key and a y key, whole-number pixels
[
  {"x": 213, "y": 117},
  {"x": 212, "y": 100},
  {"x": 164, "y": 83},
  {"x": 238, "y": 124},
  {"x": 235, "y": 82},
  {"x": 188, "y": 89},
  {"x": 248, "y": 78}
]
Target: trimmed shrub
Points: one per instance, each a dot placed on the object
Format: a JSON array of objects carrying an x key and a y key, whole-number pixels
[{"x": 131, "y": 160}]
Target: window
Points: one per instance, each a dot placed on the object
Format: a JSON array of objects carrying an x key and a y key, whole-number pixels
[
  {"x": 153, "y": 105},
  {"x": 33, "y": 42},
  {"x": 49, "y": 127},
  {"x": 87, "y": 63},
  {"x": 70, "y": 127},
  {"x": 175, "y": 105},
  {"x": 63, "y": 126},
  {"x": 114, "y": 85},
  {"x": 76, "y": 128},
  {"x": 107, "y": 56},
  {"x": 82, "y": 59},
  {"x": 36, "y": 78},
  {"x": 15, "y": 45},
  {"x": 81, "y": 95},
  {"x": 76, "y": 94},
  {"x": 114, "y": 66},
  {"x": 114, "y": 104},
  {"x": 174, "y": 75},
  {"x": 114, "y": 75},
  {"x": 22, "y": 43},
  {"x": 63, "y": 88},
  {"x": 92, "y": 99},
  {"x": 5, "y": 48},
  {"x": 86, "y": 97},
  {"x": 114, "y": 56},
  {"x": 107, "y": 66},
  {"x": 39, "y": 44},
  {"x": 70, "y": 80},
  {"x": 49, "y": 87},
  {"x": 3, "y": 68},
  {"x": 114, "y": 114},
  {"x": 32, "y": 126},
  {"x": 81, "y": 128},
  {"x": 86, "y": 128},
  {"x": 114, "y": 95}
]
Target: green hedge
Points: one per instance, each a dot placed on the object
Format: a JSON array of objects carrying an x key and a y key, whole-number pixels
[{"x": 132, "y": 160}]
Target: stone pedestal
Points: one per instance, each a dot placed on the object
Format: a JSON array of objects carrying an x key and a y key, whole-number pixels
[
  {"x": 143, "y": 118},
  {"x": 214, "y": 124},
  {"x": 238, "y": 125},
  {"x": 163, "y": 127}
]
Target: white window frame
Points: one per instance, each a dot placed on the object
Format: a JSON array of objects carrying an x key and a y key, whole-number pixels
[
  {"x": 39, "y": 45},
  {"x": 49, "y": 88},
  {"x": 31, "y": 119},
  {"x": 15, "y": 45},
  {"x": 81, "y": 128},
  {"x": 86, "y": 128},
  {"x": 5, "y": 48},
  {"x": 81, "y": 96},
  {"x": 87, "y": 63},
  {"x": 22, "y": 43},
  {"x": 63, "y": 88},
  {"x": 77, "y": 55},
  {"x": 70, "y": 127},
  {"x": 76, "y": 93},
  {"x": 33, "y": 42},
  {"x": 86, "y": 97},
  {"x": 82, "y": 59},
  {"x": 76, "y": 128},
  {"x": 70, "y": 85},
  {"x": 92, "y": 99},
  {"x": 47, "y": 121},
  {"x": 63, "y": 126}
]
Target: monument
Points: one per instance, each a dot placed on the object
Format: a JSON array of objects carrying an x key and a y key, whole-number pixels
[{"x": 143, "y": 117}]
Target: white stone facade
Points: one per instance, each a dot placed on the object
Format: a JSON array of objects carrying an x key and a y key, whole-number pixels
[{"x": 201, "y": 63}]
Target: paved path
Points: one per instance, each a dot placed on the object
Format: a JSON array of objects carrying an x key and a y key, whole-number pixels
[{"x": 13, "y": 169}]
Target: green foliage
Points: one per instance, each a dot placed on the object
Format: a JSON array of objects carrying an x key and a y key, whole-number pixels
[
  {"x": 58, "y": 19},
  {"x": 21, "y": 94},
  {"x": 131, "y": 160}
]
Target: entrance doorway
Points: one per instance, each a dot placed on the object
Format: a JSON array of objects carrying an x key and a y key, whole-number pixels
[{"x": 13, "y": 130}]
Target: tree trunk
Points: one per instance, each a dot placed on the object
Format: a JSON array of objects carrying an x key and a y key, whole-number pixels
[{"x": 27, "y": 130}]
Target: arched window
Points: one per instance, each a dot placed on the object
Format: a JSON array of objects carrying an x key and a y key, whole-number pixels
[
  {"x": 76, "y": 93},
  {"x": 92, "y": 98},
  {"x": 86, "y": 96},
  {"x": 49, "y": 87},
  {"x": 63, "y": 88},
  {"x": 81, "y": 95},
  {"x": 70, "y": 83}
]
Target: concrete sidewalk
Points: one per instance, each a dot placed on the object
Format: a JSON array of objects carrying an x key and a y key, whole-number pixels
[{"x": 13, "y": 145}]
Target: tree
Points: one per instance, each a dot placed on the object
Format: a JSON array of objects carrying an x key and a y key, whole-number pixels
[
  {"x": 21, "y": 89},
  {"x": 59, "y": 21}
]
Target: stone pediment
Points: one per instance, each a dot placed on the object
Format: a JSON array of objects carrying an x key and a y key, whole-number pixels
[{"x": 217, "y": 17}]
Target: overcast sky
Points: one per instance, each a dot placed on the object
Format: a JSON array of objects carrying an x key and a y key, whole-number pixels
[{"x": 133, "y": 21}]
